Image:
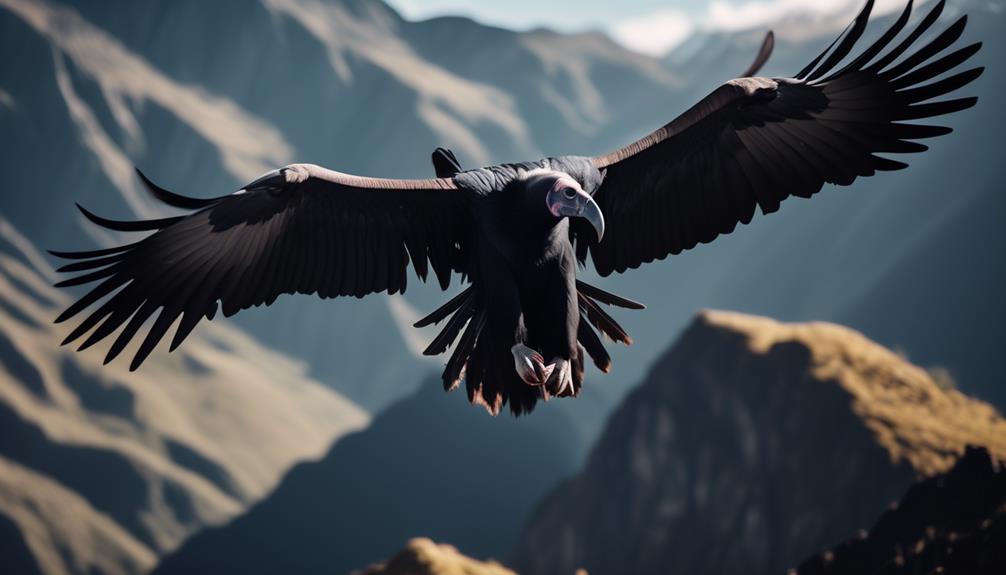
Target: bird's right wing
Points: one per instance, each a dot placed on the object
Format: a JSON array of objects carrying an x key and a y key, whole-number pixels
[
  {"x": 303, "y": 229},
  {"x": 753, "y": 142}
]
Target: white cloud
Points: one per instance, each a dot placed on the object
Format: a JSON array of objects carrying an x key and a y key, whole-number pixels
[
  {"x": 658, "y": 32},
  {"x": 655, "y": 33},
  {"x": 728, "y": 16}
]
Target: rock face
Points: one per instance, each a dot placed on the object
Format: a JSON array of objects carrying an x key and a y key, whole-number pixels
[
  {"x": 431, "y": 465},
  {"x": 424, "y": 557},
  {"x": 953, "y": 523},
  {"x": 751, "y": 445},
  {"x": 101, "y": 471}
]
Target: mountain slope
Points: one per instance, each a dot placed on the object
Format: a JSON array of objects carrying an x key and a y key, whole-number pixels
[
  {"x": 427, "y": 466},
  {"x": 952, "y": 523},
  {"x": 104, "y": 470},
  {"x": 750, "y": 445}
]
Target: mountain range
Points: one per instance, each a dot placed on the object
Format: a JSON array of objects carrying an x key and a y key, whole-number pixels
[{"x": 102, "y": 470}]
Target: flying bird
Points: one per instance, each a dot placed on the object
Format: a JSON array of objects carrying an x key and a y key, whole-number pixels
[{"x": 522, "y": 328}]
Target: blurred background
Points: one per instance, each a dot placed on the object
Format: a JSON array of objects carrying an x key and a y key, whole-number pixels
[{"x": 312, "y": 435}]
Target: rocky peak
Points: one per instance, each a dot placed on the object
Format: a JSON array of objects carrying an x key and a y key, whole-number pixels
[{"x": 777, "y": 438}]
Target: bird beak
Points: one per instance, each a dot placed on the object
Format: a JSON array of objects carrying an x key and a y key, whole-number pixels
[{"x": 561, "y": 202}]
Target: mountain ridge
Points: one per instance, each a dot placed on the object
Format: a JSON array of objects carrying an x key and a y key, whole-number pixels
[
  {"x": 752, "y": 432},
  {"x": 184, "y": 441}
]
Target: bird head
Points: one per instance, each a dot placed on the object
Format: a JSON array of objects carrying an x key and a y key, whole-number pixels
[{"x": 565, "y": 197}]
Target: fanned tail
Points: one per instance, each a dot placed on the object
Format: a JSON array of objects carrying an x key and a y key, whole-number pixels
[{"x": 486, "y": 365}]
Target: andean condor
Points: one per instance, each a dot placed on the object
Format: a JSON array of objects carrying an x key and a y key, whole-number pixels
[{"x": 516, "y": 232}]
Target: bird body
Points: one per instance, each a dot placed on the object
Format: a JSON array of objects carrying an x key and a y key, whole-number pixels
[{"x": 522, "y": 328}]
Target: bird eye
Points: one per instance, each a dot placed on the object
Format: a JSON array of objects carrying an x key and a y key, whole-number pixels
[{"x": 568, "y": 193}]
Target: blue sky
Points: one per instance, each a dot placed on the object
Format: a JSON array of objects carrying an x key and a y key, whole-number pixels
[{"x": 651, "y": 26}]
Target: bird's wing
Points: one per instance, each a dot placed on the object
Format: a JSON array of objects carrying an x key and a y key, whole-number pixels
[
  {"x": 312, "y": 231},
  {"x": 767, "y": 45},
  {"x": 757, "y": 141}
]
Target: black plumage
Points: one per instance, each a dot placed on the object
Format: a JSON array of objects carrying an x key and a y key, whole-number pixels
[{"x": 515, "y": 232}]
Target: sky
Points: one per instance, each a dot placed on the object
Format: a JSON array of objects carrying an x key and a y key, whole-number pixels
[{"x": 648, "y": 26}]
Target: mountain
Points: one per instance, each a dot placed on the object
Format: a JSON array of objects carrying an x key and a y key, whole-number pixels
[
  {"x": 424, "y": 557},
  {"x": 952, "y": 523},
  {"x": 427, "y": 466},
  {"x": 750, "y": 445},
  {"x": 102, "y": 471}
]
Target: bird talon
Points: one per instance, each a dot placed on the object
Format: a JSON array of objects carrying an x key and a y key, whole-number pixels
[
  {"x": 530, "y": 365},
  {"x": 561, "y": 379}
]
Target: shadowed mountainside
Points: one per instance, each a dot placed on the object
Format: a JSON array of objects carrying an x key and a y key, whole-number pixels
[
  {"x": 426, "y": 466},
  {"x": 101, "y": 470},
  {"x": 953, "y": 523},
  {"x": 779, "y": 438}
]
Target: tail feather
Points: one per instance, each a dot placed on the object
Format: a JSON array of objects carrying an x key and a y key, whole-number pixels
[
  {"x": 445, "y": 310},
  {"x": 450, "y": 332},
  {"x": 486, "y": 365},
  {"x": 602, "y": 321},
  {"x": 585, "y": 289},
  {"x": 592, "y": 343},
  {"x": 455, "y": 369}
]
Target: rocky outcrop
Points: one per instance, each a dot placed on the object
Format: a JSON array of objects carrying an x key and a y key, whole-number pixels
[
  {"x": 424, "y": 557},
  {"x": 751, "y": 445},
  {"x": 953, "y": 523}
]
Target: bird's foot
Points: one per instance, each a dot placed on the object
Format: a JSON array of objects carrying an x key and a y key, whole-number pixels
[
  {"x": 530, "y": 365},
  {"x": 561, "y": 382}
]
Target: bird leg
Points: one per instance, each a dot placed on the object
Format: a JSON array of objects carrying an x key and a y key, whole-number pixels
[
  {"x": 530, "y": 365},
  {"x": 561, "y": 381}
]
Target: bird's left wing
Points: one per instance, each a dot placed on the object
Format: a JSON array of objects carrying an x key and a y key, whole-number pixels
[
  {"x": 302, "y": 229},
  {"x": 756, "y": 141}
]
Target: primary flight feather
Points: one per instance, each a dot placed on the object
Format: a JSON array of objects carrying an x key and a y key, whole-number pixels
[{"x": 523, "y": 327}]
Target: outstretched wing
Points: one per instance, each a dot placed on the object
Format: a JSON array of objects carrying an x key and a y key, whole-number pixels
[
  {"x": 757, "y": 141},
  {"x": 303, "y": 229}
]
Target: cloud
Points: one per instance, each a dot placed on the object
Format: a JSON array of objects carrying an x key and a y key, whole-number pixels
[
  {"x": 655, "y": 33},
  {"x": 658, "y": 32}
]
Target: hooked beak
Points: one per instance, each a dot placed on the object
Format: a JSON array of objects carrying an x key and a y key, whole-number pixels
[{"x": 575, "y": 203}]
